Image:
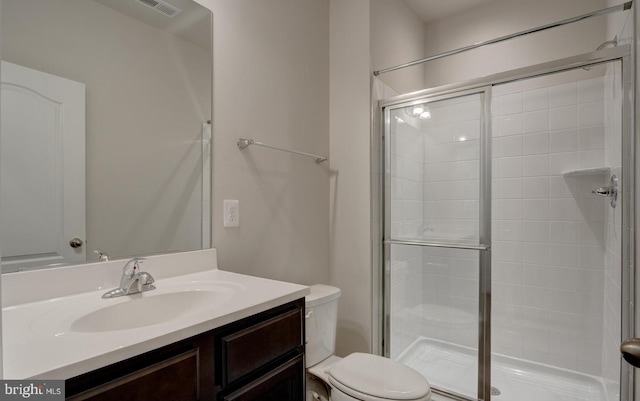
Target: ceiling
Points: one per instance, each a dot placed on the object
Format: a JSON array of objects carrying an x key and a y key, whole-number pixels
[
  {"x": 192, "y": 24},
  {"x": 432, "y": 10}
]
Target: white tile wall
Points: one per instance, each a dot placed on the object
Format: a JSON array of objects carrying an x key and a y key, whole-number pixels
[
  {"x": 406, "y": 291},
  {"x": 439, "y": 202},
  {"x": 449, "y": 299},
  {"x": 407, "y": 176},
  {"x": 451, "y": 162},
  {"x": 549, "y": 245}
]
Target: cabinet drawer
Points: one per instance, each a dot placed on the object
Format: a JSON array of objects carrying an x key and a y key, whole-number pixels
[
  {"x": 257, "y": 345},
  {"x": 173, "y": 379},
  {"x": 283, "y": 383}
]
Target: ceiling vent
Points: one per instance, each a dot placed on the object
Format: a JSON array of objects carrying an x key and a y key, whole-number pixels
[{"x": 161, "y": 7}]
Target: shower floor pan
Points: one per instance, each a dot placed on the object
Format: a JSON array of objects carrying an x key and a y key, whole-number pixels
[{"x": 454, "y": 368}]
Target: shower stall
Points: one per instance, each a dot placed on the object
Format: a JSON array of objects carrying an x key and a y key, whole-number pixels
[{"x": 506, "y": 256}]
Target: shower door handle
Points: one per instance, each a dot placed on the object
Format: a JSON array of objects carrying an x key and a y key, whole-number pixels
[{"x": 630, "y": 349}]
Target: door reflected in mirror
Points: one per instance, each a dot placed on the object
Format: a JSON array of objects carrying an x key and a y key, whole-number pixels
[{"x": 105, "y": 138}]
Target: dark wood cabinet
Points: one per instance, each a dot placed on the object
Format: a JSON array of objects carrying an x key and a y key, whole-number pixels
[
  {"x": 155, "y": 382},
  {"x": 283, "y": 383},
  {"x": 245, "y": 350},
  {"x": 259, "y": 358}
]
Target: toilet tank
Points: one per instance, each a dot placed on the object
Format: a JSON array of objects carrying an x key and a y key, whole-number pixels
[{"x": 321, "y": 318}]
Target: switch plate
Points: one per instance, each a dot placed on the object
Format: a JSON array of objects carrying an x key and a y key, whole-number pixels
[{"x": 231, "y": 213}]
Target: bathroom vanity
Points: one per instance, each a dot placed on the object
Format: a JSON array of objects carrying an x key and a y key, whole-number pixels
[
  {"x": 203, "y": 334},
  {"x": 259, "y": 357}
]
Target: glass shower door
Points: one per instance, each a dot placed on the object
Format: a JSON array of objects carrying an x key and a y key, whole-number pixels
[
  {"x": 508, "y": 259},
  {"x": 437, "y": 236}
]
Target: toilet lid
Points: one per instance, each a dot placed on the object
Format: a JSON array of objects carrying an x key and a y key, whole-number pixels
[{"x": 379, "y": 377}]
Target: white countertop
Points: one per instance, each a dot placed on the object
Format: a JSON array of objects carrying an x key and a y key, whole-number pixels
[{"x": 39, "y": 342}]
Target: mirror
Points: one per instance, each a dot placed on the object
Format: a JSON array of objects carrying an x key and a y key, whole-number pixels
[{"x": 105, "y": 137}]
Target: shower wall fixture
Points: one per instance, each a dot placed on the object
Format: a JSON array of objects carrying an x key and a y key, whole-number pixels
[{"x": 609, "y": 192}]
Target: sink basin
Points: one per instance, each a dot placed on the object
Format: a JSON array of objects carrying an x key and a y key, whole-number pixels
[
  {"x": 141, "y": 311},
  {"x": 169, "y": 302}
]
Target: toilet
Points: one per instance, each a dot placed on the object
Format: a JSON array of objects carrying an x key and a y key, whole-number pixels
[{"x": 357, "y": 377}]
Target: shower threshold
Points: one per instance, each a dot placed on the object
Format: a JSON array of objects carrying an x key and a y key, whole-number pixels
[{"x": 453, "y": 368}]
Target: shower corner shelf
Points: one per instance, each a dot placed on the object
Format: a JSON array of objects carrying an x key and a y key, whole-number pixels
[{"x": 587, "y": 171}]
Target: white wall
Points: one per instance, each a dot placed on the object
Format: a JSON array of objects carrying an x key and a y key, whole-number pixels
[
  {"x": 502, "y": 17},
  {"x": 396, "y": 37},
  {"x": 271, "y": 83},
  {"x": 351, "y": 172}
]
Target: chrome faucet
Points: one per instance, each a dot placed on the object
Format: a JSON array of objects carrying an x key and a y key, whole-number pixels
[
  {"x": 102, "y": 255},
  {"x": 133, "y": 281}
]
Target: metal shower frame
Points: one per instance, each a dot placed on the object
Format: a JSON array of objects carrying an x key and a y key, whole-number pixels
[
  {"x": 620, "y": 7},
  {"x": 484, "y": 86}
]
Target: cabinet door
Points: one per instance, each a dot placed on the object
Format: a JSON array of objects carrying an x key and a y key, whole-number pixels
[
  {"x": 247, "y": 350},
  {"x": 284, "y": 383},
  {"x": 174, "y": 379}
]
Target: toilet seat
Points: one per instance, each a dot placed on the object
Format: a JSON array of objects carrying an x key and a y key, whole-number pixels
[
  {"x": 321, "y": 369},
  {"x": 374, "y": 378}
]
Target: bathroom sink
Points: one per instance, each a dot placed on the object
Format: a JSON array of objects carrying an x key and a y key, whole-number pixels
[
  {"x": 169, "y": 303},
  {"x": 148, "y": 309}
]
